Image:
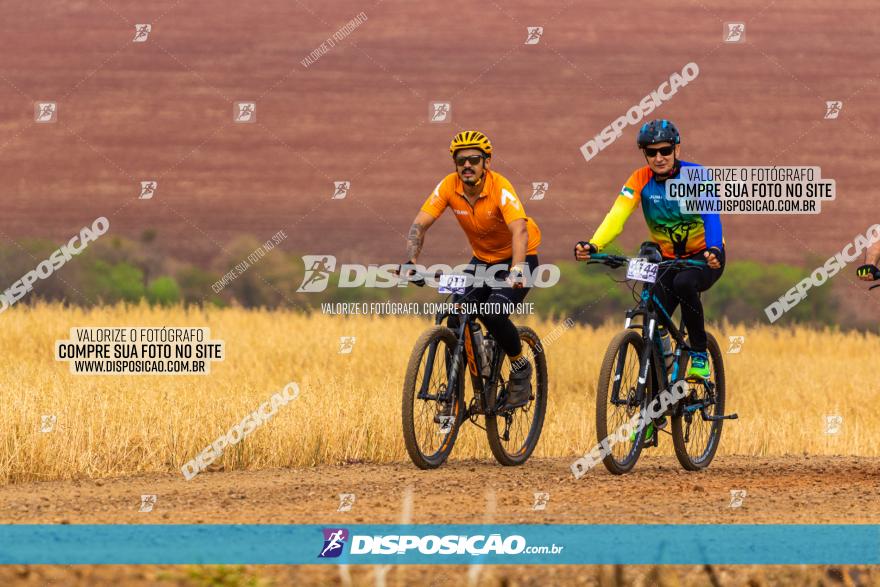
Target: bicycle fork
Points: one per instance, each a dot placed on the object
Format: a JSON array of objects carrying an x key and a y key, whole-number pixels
[
  {"x": 453, "y": 369},
  {"x": 644, "y": 372}
]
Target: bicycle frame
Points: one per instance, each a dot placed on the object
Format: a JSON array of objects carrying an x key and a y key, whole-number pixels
[
  {"x": 484, "y": 385},
  {"x": 651, "y": 353}
]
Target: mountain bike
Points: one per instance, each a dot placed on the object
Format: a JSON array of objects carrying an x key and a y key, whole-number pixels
[
  {"x": 634, "y": 373},
  {"x": 434, "y": 405}
]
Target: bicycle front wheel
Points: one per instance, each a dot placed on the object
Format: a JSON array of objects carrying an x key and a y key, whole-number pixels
[
  {"x": 432, "y": 411},
  {"x": 513, "y": 434},
  {"x": 613, "y": 410}
]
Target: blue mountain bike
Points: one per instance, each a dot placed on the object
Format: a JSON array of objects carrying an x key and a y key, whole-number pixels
[{"x": 634, "y": 372}]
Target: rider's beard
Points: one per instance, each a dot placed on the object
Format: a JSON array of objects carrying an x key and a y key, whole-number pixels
[{"x": 473, "y": 179}]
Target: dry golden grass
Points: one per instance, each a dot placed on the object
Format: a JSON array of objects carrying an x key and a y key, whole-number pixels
[{"x": 783, "y": 383}]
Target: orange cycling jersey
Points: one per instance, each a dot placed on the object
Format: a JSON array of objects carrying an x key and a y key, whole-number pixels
[{"x": 484, "y": 223}]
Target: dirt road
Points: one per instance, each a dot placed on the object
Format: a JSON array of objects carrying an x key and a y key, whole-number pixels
[{"x": 778, "y": 490}]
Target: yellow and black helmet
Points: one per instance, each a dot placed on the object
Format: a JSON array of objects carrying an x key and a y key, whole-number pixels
[{"x": 471, "y": 139}]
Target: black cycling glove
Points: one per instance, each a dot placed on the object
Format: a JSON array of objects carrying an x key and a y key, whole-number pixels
[
  {"x": 868, "y": 269},
  {"x": 587, "y": 245}
]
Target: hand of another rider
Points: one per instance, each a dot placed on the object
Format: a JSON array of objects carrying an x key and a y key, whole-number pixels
[{"x": 868, "y": 272}]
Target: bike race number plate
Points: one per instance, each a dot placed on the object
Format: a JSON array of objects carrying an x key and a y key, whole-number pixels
[
  {"x": 453, "y": 284},
  {"x": 642, "y": 270}
]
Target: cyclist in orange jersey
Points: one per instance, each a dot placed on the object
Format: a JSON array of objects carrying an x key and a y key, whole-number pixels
[{"x": 492, "y": 216}]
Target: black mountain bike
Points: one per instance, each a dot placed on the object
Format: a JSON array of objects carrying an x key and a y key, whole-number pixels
[
  {"x": 434, "y": 405},
  {"x": 634, "y": 373}
]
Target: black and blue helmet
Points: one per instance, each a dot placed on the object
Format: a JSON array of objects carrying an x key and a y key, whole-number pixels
[{"x": 658, "y": 131}]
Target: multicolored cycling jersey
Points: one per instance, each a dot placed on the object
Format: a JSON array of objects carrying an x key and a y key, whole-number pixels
[
  {"x": 678, "y": 234},
  {"x": 485, "y": 223}
]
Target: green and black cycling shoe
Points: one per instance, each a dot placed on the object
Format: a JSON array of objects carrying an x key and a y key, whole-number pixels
[
  {"x": 660, "y": 422},
  {"x": 632, "y": 435},
  {"x": 699, "y": 369},
  {"x": 650, "y": 434}
]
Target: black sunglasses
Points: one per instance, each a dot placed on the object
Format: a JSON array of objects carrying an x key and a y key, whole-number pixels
[
  {"x": 472, "y": 159},
  {"x": 665, "y": 151}
]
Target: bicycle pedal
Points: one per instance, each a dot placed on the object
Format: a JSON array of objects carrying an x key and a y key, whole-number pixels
[{"x": 725, "y": 417}]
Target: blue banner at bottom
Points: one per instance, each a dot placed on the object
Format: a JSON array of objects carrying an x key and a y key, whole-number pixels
[{"x": 440, "y": 544}]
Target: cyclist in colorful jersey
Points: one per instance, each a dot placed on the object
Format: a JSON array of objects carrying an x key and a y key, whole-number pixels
[
  {"x": 678, "y": 235},
  {"x": 488, "y": 210}
]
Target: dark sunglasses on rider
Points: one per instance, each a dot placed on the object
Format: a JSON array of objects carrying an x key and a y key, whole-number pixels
[
  {"x": 472, "y": 159},
  {"x": 665, "y": 151}
]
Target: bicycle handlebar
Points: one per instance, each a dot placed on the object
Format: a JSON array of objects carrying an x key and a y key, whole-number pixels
[
  {"x": 416, "y": 277},
  {"x": 609, "y": 260},
  {"x": 616, "y": 261}
]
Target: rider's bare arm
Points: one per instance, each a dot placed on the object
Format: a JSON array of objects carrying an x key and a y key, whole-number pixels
[
  {"x": 416, "y": 236},
  {"x": 868, "y": 271},
  {"x": 520, "y": 234},
  {"x": 872, "y": 254}
]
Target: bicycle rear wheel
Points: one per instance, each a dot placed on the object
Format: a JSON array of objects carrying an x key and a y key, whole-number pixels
[
  {"x": 625, "y": 349},
  {"x": 513, "y": 434},
  {"x": 696, "y": 440},
  {"x": 429, "y": 442}
]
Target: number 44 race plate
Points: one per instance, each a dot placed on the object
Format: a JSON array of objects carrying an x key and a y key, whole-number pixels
[
  {"x": 642, "y": 270},
  {"x": 453, "y": 284}
]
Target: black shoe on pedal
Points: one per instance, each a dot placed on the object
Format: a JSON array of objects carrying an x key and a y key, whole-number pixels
[{"x": 519, "y": 388}]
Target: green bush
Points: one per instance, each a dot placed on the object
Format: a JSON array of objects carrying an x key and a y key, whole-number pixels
[
  {"x": 163, "y": 291},
  {"x": 265, "y": 281},
  {"x": 747, "y": 287},
  {"x": 740, "y": 295},
  {"x": 114, "y": 283},
  {"x": 586, "y": 295},
  {"x": 195, "y": 285},
  {"x": 116, "y": 269}
]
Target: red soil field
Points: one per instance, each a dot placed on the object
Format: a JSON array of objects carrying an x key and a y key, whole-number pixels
[{"x": 162, "y": 110}]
